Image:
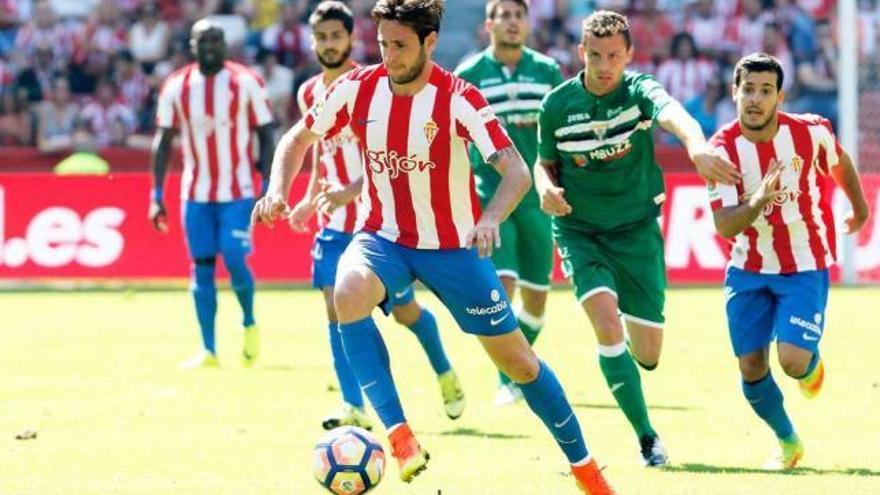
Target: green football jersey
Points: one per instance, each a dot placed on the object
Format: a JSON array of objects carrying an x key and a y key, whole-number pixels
[
  {"x": 515, "y": 98},
  {"x": 604, "y": 149}
]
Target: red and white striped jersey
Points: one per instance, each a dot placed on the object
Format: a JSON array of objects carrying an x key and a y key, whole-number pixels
[
  {"x": 339, "y": 159},
  {"x": 216, "y": 116},
  {"x": 418, "y": 187},
  {"x": 795, "y": 233}
]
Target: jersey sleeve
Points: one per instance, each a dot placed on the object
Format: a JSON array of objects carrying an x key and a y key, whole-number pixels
[
  {"x": 476, "y": 122},
  {"x": 259, "y": 113},
  {"x": 556, "y": 77},
  {"x": 166, "y": 117},
  {"x": 547, "y": 149},
  {"x": 829, "y": 144},
  {"x": 652, "y": 96},
  {"x": 330, "y": 114},
  {"x": 722, "y": 195}
]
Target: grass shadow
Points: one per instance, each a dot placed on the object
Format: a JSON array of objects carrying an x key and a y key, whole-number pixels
[
  {"x": 584, "y": 405},
  {"x": 475, "y": 433},
  {"x": 801, "y": 471}
]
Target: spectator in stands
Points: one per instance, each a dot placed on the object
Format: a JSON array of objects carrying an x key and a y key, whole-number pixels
[
  {"x": 817, "y": 77},
  {"x": 279, "y": 85},
  {"x": 149, "y": 37},
  {"x": 37, "y": 77},
  {"x": 707, "y": 27},
  {"x": 705, "y": 107},
  {"x": 288, "y": 37},
  {"x": 106, "y": 118},
  {"x": 745, "y": 32},
  {"x": 799, "y": 27},
  {"x": 134, "y": 87},
  {"x": 651, "y": 31},
  {"x": 58, "y": 125},
  {"x": 103, "y": 35},
  {"x": 74, "y": 9},
  {"x": 574, "y": 12},
  {"x": 9, "y": 22},
  {"x": 685, "y": 74},
  {"x": 16, "y": 120},
  {"x": 43, "y": 30},
  {"x": 773, "y": 43}
]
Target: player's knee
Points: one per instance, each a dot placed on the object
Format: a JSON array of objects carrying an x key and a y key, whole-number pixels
[
  {"x": 648, "y": 362},
  {"x": 794, "y": 366},
  {"x": 350, "y": 298},
  {"x": 753, "y": 370},
  {"x": 522, "y": 368}
]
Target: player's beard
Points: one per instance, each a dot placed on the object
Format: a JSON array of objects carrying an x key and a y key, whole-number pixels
[
  {"x": 413, "y": 74},
  {"x": 762, "y": 125},
  {"x": 328, "y": 64}
]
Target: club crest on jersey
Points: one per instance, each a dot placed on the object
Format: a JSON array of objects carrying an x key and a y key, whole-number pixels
[
  {"x": 599, "y": 129},
  {"x": 797, "y": 163},
  {"x": 430, "y": 129}
]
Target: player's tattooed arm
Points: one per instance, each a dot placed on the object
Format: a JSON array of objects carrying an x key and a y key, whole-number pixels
[{"x": 515, "y": 182}]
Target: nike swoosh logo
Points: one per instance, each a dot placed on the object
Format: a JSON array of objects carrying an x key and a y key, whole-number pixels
[
  {"x": 401, "y": 293},
  {"x": 495, "y": 322},
  {"x": 368, "y": 385},
  {"x": 810, "y": 337},
  {"x": 366, "y": 121},
  {"x": 569, "y": 442},
  {"x": 560, "y": 425},
  {"x": 616, "y": 386}
]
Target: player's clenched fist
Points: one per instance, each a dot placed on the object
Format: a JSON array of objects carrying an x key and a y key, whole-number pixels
[
  {"x": 553, "y": 201},
  {"x": 269, "y": 208}
]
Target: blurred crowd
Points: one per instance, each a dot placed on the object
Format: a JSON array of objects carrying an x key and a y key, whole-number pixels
[{"x": 84, "y": 74}]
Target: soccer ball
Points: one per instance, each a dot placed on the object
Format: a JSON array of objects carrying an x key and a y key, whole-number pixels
[{"x": 348, "y": 461}]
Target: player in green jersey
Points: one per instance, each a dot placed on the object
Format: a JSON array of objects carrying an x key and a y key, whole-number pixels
[
  {"x": 514, "y": 79},
  {"x": 600, "y": 181}
]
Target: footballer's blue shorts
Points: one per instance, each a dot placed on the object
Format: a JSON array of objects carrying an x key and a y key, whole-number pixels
[
  {"x": 326, "y": 251},
  {"x": 788, "y": 307},
  {"x": 466, "y": 284},
  {"x": 213, "y": 228}
]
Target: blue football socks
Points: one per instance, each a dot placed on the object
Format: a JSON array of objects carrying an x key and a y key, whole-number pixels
[
  {"x": 766, "y": 400},
  {"x": 547, "y": 399},
  {"x": 351, "y": 391},
  {"x": 425, "y": 329}
]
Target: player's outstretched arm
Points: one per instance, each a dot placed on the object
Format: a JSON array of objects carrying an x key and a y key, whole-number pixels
[
  {"x": 515, "y": 182},
  {"x": 301, "y": 212},
  {"x": 547, "y": 186},
  {"x": 161, "y": 151},
  {"x": 731, "y": 220},
  {"x": 845, "y": 175},
  {"x": 286, "y": 162},
  {"x": 713, "y": 167}
]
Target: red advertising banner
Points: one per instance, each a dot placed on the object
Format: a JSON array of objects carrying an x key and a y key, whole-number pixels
[{"x": 97, "y": 227}]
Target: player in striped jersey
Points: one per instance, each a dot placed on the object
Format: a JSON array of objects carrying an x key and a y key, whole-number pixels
[
  {"x": 338, "y": 161},
  {"x": 776, "y": 286},
  {"x": 514, "y": 79},
  {"x": 422, "y": 219},
  {"x": 216, "y": 105}
]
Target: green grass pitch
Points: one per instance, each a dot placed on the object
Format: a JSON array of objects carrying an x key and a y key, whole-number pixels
[{"x": 95, "y": 375}]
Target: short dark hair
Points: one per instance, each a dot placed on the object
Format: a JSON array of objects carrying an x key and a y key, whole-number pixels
[
  {"x": 604, "y": 24},
  {"x": 330, "y": 10},
  {"x": 492, "y": 6},
  {"x": 758, "y": 62},
  {"x": 423, "y": 16}
]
